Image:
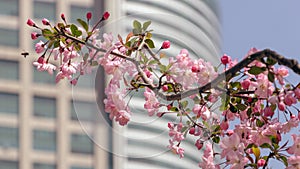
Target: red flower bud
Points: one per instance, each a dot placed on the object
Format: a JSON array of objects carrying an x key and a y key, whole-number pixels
[
  {"x": 105, "y": 15},
  {"x": 34, "y": 35},
  {"x": 195, "y": 69},
  {"x": 89, "y": 15},
  {"x": 63, "y": 17},
  {"x": 41, "y": 60},
  {"x": 261, "y": 162},
  {"x": 30, "y": 22},
  {"x": 45, "y": 21},
  {"x": 225, "y": 59},
  {"x": 166, "y": 44},
  {"x": 165, "y": 88}
]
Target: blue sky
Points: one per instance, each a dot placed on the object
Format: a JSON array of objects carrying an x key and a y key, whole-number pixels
[
  {"x": 273, "y": 24},
  {"x": 262, "y": 24}
]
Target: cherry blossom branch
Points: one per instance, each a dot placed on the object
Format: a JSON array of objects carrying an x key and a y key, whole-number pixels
[{"x": 229, "y": 74}]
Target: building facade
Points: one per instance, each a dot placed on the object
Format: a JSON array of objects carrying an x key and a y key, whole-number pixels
[
  {"x": 190, "y": 24},
  {"x": 44, "y": 125},
  {"x": 39, "y": 126}
]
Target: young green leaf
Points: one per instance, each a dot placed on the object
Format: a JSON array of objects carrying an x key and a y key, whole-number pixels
[
  {"x": 83, "y": 24},
  {"x": 146, "y": 25}
]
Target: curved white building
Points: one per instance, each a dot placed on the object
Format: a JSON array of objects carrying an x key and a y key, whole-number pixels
[{"x": 190, "y": 24}]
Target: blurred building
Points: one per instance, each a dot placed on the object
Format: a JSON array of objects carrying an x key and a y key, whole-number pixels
[
  {"x": 190, "y": 24},
  {"x": 39, "y": 126}
]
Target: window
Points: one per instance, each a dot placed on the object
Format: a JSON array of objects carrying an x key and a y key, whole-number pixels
[
  {"x": 81, "y": 110},
  {"x": 44, "y": 107},
  {"x": 9, "y": 37},
  {"x": 81, "y": 143},
  {"x": 77, "y": 167},
  {"x": 86, "y": 81},
  {"x": 43, "y": 166},
  {"x": 79, "y": 12},
  {"x": 8, "y": 164},
  {"x": 9, "y": 137},
  {"x": 44, "y": 10},
  {"x": 9, "y": 7},
  {"x": 44, "y": 140},
  {"x": 9, "y": 70},
  {"x": 9, "y": 103},
  {"x": 43, "y": 77}
]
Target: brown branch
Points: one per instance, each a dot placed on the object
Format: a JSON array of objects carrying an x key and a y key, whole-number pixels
[{"x": 229, "y": 74}]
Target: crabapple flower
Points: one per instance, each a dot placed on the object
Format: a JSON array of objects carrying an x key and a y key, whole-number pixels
[
  {"x": 39, "y": 47},
  {"x": 261, "y": 162},
  {"x": 208, "y": 158},
  {"x": 295, "y": 148},
  {"x": 152, "y": 104},
  {"x": 34, "y": 35},
  {"x": 294, "y": 162},
  {"x": 44, "y": 66}
]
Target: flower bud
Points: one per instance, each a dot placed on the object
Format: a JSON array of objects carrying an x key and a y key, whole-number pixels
[
  {"x": 41, "y": 60},
  {"x": 225, "y": 59},
  {"x": 34, "y": 35},
  {"x": 88, "y": 15},
  {"x": 166, "y": 44},
  {"x": 62, "y": 16},
  {"x": 30, "y": 22},
  {"x": 261, "y": 162},
  {"x": 165, "y": 88},
  {"x": 45, "y": 21},
  {"x": 105, "y": 15}
]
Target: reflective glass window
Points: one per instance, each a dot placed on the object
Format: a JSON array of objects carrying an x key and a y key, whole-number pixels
[
  {"x": 43, "y": 166},
  {"x": 9, "y": 7},
  {"x": 8, "y": 164},
  {"x": 9, "y": 103},
  {"x": 44, "y": 107},
  {"x": 9, "y": 37},
  {"x": 44, "y": 140},
  {"x": 9, "y": 137},
  {"x": 43, "y": 77},
  {"x": 44, "y": 10},
  {"x": 81, "y": 143},
  {"x": 81, "y": 110},
  {"x": 9, "y": 69}
]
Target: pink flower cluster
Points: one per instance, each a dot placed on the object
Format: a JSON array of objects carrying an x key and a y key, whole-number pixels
[{"x": 176, "y": 137}]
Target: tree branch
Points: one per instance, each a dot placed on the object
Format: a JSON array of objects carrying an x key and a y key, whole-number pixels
[{"x": 229, "y": 74}]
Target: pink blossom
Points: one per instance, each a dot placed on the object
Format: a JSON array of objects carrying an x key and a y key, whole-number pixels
[
  {"x": 74, "y": 82},
  {"x": 175, "y": 132},
  {"x": 202, "y": 111},
  {"x": 231, "y": 145},
  {"x": 152, "y": 104},
  {"x": 245, "y": 83},
  {"x": 268, "y": 112},
  {"x": 295, "y": 148},
  {"x": 264, "y": 87},
  {"x": 224, "y": 125},
  {"x": 281, "y": 106},
  {"x": 176, "y": 149},
  {"x": 297, "y": 93},
  {"x": 165, "y": 45},
  {"x": 289, "y": 98},
  {"x": 39, "y": 47},
  {"x": 62, "y": 16},
  {"x": 199, "y": 144},
  {"x": 45, "y": 67},
  {"x": 208, "y": 158},
  {"x": 261, "y": 162},
  {"x": 294, "y": 162}
]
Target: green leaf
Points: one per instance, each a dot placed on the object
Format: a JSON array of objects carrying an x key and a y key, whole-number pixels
[
  {"x": 184, "y": 104},
  {"x": 83, "y": 24},
  {"x": 256, "y": 70},
  {"x": 174, "y": 109},
  {"x": 284, "y": 160},
  {"x": 271, "y": 77},
  {"x": 241, "y": 107},
  {"x": 259, "y": 123},
  {"x": 256, "y": 151},
  {"x": 216, "y": 139},
  {"x": 152, "y": 62},
  {"x": 137, "y": 24},
  {"x": 150, "y": 43},
  {"x": 85, "y": 57},
  {"x": 265, "y": 145},
  {"x": 233, "y": 109},
  {"x": 137, "y": 31},
  {"x": 146, "y": 25},
  {"x": 94, "y": 63},
  {"x": 47, "y": 33},
  {"x": 236, "y": 85},
  {"x": 75, "y": 31},
  {"x": 271, "y": 61},
  {"x": 163, "y": 68},
  {"x": 56, "y": 44}
]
